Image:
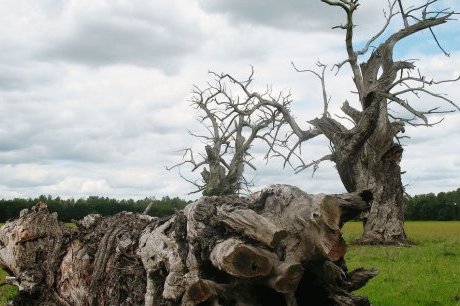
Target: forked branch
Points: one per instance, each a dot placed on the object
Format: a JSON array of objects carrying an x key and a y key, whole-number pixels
[{"x": 233, "y": 118}]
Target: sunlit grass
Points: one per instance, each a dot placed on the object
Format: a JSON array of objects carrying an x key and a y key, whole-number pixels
[{"x": 427, "y": 273}]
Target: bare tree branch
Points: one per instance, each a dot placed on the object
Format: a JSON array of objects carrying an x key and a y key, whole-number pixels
[
  {"x": 314, "y": 163},
  {"x": 404, "y": 17},
  {"x": 234, "y": 117},
  {"x": 320, "y": 76},
  {"x": 374, "y": 88},
  {"x": 437, "y": 42},
  {"x": 350, "y": 7},
  {"x": 388, "y": 18},
  {"x": 351, "y": 112}
]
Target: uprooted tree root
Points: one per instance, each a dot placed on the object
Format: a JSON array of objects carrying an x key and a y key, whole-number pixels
[{"x": 279, "y": 246}]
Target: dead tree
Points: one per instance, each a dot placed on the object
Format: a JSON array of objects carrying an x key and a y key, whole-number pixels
[
  {"x": 233, "y": 121},
  {"x": 279, "y": 246},
  {"x": 368, "y": 154}
]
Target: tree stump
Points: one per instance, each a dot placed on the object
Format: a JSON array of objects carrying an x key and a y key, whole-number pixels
[{"x": 279, "y": 246}]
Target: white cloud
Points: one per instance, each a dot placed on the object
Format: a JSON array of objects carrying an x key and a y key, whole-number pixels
[{"x": 93, "y": 94}]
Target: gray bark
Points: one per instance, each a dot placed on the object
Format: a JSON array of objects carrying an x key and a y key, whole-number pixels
[
  {"x": 376, "y": 167},
  {"x": 279, "y": 246},
  {"x": 367, "y": 156}
]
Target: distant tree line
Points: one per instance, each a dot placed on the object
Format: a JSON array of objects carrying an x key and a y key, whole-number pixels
[
  {"x": 71, "y": 209},
  {"x": 444, "y": 206}
]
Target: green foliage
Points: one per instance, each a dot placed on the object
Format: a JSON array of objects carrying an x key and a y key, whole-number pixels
[
  {"x": 70, "y": 209},
  {"x": 426, "y": 273},
  {"x": 445, "y": 206}
]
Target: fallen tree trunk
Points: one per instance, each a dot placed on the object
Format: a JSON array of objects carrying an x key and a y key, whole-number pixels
[{"x": 279, "y": 246}]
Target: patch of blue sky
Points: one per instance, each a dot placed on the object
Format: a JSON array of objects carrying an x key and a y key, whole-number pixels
[
  {"x": 424, "y": 43},
  {"x": 420, "y": 43}
]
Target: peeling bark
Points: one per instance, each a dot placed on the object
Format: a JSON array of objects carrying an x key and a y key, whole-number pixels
[{"x": 279, "y": 246}]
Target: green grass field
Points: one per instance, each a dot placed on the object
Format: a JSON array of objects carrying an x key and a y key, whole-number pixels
[{"x": 427, "y": 273}]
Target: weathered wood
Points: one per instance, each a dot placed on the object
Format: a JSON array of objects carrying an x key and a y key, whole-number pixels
[
  {"x": 30, "y": 249},
  {"x": 242, "y": 260},
  {"x": 354, "y": 204},
  {"x": 251, "y": 224},
  {"x": 201, "y": 291},
  {"x": 279, "y": 246},
  {"x": 286, "y": 277},
  {"x": 359, "y": 277}
]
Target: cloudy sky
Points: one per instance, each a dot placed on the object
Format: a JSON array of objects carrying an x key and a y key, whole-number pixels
[{"x": 94, "y": 93}]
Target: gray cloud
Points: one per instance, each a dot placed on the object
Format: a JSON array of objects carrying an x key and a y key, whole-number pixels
[
  {"x": 311, "y": 16},
  {"x": 42, "y": 137},
  {"x": 296, "y": 14},
  {"x": 105, "y": 42},
  {"x": 142, "y": 33},
  {"x": 20, "y": 74}
]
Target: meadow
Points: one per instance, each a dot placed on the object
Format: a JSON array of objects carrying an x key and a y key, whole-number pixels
[{"x": 427, "y": 273}]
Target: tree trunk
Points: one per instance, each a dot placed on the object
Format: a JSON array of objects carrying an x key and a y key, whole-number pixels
[
  {"x": 384, "y": 223},
  {"x": 279, "y": 246},
  {"x": 219, "y": 181},
  {"x": 376, "y": 167},
  {"x": 381, "y": 173}
]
